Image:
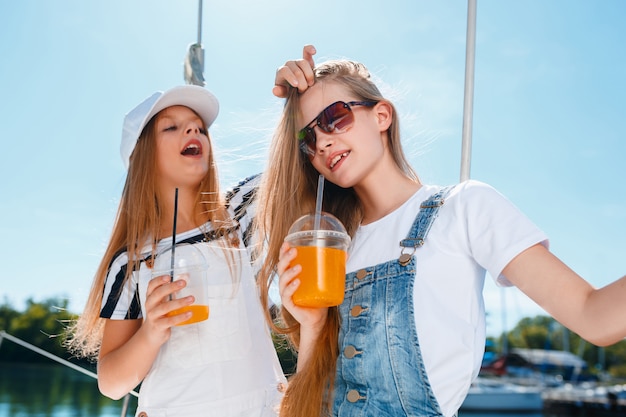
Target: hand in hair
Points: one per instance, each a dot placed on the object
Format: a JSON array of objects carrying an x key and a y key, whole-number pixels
[{"x": 297, "y": 73}]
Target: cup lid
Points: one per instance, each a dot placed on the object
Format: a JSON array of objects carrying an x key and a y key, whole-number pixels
[
  {"x": 326, "y": 222},
  {"x": 186, "y": 256},
  {"x": 329, "y": 225}
]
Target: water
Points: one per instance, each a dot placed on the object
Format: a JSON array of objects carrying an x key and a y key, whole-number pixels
[
  {"x": 501, "y": 414},
  {"x": 41, "y": 390}
]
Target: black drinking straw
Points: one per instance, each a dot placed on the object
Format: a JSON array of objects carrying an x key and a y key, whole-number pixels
[{"x": 172, "y": 259}]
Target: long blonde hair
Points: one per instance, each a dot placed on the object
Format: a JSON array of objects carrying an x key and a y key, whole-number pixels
[
  {"x": 287, "y": 191},
  {"x": 138, "y": 221}
]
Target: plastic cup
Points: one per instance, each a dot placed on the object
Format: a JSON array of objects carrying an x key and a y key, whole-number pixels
[
  {"x": 322, "y": 253},
  {"x": 191, "y": 266}
]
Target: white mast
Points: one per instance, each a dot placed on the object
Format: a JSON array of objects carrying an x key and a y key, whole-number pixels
[
  {"x": 194, "y": 60},
  {"x": 470, "y": 46}
]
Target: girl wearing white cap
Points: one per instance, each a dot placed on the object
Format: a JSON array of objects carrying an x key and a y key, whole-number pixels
[{"x": 223, "y": 366}]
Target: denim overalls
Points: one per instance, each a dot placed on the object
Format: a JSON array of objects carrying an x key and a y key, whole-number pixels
[{"x": 380, "y": 371}]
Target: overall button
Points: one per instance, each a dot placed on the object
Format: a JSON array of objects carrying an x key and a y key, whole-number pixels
[
  {"x": 354, "y": 396},
  {"x": 281, "y": 387},
  {"x": 404, "y": 259},
  {"x": 356, "y": 310},
  {"x": 361, "y": 273},
  {"x": 142, "y": 414},
  {"x": 350, "y": 352}
]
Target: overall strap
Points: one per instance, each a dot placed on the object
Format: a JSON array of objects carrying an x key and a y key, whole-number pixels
[{"x": 422, "y": 224}]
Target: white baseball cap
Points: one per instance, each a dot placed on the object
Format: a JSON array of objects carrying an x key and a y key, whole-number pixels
[{"x": 197, "y": 98}]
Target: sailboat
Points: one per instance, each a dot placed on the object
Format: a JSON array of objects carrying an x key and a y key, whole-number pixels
[{"x": 490, "y": 394}]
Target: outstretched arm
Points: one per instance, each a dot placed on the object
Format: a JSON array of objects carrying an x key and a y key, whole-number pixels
[
  {"x": 297, "y": 73},
  {"x": 597, "y": 315}
]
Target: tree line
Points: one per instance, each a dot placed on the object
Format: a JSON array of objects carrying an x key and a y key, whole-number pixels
[
  {"x": 543, "y": 332},
  {"x": 44, "y": 324}
]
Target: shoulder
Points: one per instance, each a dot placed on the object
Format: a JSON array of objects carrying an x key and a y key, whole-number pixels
[
  {"x": 486, "y": 212},
  {"x": 460, "y": 194},
  {"x": 475, "y": 194},
  {"x": 241, "y": 204},
  {"x": 244, "y": 191},
  {"x": 473, "y": 189},
  {"x": 475, "y": 202},
  {"x": 118, "y": 262}
]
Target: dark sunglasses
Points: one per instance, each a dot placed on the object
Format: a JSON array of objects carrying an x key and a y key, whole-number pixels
[{"x": 336, "y": 118}]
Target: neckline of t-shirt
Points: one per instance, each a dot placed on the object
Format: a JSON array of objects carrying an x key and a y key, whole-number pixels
[
  {"x": 416, "y": 195},
  {"x": 182, "y": 235}
]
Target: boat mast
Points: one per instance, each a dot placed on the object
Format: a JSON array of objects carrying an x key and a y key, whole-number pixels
[
  {"x": 199, "y": 22},
  {"x": 466, "y": 143},
  {"x": 468, "y": 99},
  {"x": 194, "y": 60}
]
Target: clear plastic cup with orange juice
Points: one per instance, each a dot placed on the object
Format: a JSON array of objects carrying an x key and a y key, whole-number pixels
[
  {"x": 189, "y": 265},
  {"x": 322, "y": 246}
]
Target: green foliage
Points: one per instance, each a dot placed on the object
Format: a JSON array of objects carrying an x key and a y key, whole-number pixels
[
  {"x": 543, "y": 332},
  {"x": 286, "y": 355},
  {"x": 7, "y": 314},
  {"x": 42, "y": 324}
]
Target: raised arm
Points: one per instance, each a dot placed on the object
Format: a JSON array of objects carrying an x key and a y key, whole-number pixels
[
  {"x": 296, "y": 73},
  {"x": 597, "y": 315}
]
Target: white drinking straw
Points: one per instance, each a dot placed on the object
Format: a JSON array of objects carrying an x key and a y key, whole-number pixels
[{"x": 318, "y": 201}]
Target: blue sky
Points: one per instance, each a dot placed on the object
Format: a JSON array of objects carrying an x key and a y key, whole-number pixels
[{"x": 548, "y": 130}]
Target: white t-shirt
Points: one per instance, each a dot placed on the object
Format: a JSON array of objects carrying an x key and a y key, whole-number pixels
[{"x": 477, "y": 230}]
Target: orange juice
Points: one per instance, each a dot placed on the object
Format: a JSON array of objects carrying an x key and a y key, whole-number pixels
[
  {"x": 323, "y": 276},
  {"x": 199, "y": 312}
]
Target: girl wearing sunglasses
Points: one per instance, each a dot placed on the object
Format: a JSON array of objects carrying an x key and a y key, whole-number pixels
[
  {"x": 223, "y": 366},
  {"x": 409, "y": 337}
]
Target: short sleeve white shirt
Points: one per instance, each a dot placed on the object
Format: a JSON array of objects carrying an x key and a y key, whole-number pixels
[
  {"x": 224, "y": 366},
  {"x": 476, "y": 230}
]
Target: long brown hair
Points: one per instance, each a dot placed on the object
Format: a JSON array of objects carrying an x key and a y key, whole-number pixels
[
  {"x": 137, "y": 223},
  {"x": 287, "y": 191}
]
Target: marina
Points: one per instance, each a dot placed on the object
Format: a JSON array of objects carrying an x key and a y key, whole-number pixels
[
  {"x": 65, "y": 390},
  {"x": 488, "y": 394},
  {"x": 553, "y": 382},
  {"x": 55, "y": 391},
  {"x": 585, "y": 399},
  {"x": 494, "y": 395}
]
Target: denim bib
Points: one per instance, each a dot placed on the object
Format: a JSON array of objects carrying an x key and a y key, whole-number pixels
[{"x": 380, "y": 371}]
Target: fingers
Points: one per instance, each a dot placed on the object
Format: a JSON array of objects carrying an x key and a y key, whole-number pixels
[
  {"x": 297, "y": 73},
  {"x": 285, "y": 270},
  {"x": 288, "y": 281},
  {"x": 160, "y": 300},
  {"x": 280, "y": 91},
  {"x": 285, "y": 256},
  {"x": 307, "y": 54},
  {"x": 161, "y": 287}
]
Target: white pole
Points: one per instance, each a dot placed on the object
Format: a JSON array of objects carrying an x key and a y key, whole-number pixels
[
  {"x": 199, "y": 22},
  {"x": 468, "y": 99}
]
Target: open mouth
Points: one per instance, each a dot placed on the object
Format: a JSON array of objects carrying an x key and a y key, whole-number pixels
[{"x": 193, "y": 148}]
